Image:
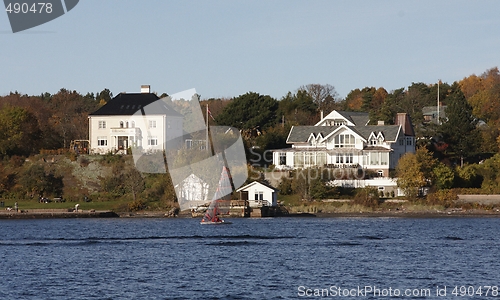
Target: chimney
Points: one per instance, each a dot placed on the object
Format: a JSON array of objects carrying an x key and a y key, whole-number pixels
[
  {"x": 404, "y": 120},
  {"x": 145, "y": 89},
  {"x": 380, "y": 123}
]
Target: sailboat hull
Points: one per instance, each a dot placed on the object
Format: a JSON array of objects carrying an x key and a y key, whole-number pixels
[{"x": 216, "y": 223}]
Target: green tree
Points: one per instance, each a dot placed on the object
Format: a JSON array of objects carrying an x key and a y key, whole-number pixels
[
  {"x": 249, "y": 111},
  {"x": 459, "y": 131},
  {"x": 444, "y": 176},
  {"x": 37, "y": 182},
  {"x": 19, "y": 131}
]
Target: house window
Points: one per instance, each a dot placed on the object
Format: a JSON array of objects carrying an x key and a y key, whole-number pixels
[
  {"x": 347, "y": 158},
  {"x": 384, "y": 158},
  {"x": 374, "y": 158},
  {"x": 152, "y": 123},
  {"x": 133, "y": 124},
  {"x": 259, "y": 196},
  {"x": 409, "y": 141},
  {"x": 308, "y": 158},
  {"x": 344, "y": 141},
  {"x": 380, "y": 173},
  {"x": 401, "y": 142},
  {"x": 282, "y": 158},
  {"x": 320, "y": 158},
  {"x": 102, "y": 124},
  {"x": 121, "y": 124},
  {"x": 189, "y": 143},
  {"x": 102, "y": 141},
  {"x": 152, "y": 141}
]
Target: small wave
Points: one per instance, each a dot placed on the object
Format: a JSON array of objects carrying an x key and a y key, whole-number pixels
[
  {"x": 239, "y": 243},
  {"x": 371, "y": 237},
  {"x": 453, "y": 238},
  {"x": 345, "y": 243}
]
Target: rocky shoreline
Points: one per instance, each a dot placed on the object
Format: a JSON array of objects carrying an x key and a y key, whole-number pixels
[
  {"x": 56, "y": 214},
  {"x": 64, "y": 214}
]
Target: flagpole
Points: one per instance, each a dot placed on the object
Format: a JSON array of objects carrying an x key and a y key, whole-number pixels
[
  {"x": 439, "y": 81},
  {"x": 206, "y": 141}
]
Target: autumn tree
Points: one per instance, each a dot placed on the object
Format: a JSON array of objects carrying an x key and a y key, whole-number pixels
[
  {"x": 416, "y": 170},
  {"x": 323, "y": 95},
  {"x": 409, "y": 174}
]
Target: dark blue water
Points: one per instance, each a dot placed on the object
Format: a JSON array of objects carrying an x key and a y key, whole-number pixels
[{"x": 279, "y": 258}]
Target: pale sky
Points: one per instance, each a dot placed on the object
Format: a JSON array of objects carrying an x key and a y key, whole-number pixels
[{"x": 228, "y": 48}]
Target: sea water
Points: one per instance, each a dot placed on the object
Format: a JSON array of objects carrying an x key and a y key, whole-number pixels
[{"x": 280, "y": 258}]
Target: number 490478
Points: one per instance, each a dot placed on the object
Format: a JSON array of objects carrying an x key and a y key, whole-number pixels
[{"x": 25, "y": 8}]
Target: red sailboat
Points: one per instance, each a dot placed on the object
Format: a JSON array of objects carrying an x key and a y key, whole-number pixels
[{"x": 220, "y": 202}]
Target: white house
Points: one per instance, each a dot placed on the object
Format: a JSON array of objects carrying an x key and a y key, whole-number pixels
[
  {"x": 344, "y": 140},
  {"x": 259, "y": 194},
  {"x": 193, "y": 190},
  {"x": 139, "y": 120}
]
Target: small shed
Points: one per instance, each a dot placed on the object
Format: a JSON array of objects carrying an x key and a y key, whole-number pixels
[{"x": 259, "y": 194}]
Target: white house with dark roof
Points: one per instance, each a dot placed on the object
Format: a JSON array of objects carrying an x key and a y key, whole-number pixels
[
  {"x": 139, "y": 120},
  {"x": 259, "y": 194},
  {"x": 345, "y": 140}
]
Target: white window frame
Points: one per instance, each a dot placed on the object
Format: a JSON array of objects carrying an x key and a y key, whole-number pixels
[
  {"x": 102, "y": 141},
  {"x": 152, "y": 141},
  {"x": 102, "y": 124},
  {"x": 339, "y": 141},
  {"x": 152, "y": 123}
]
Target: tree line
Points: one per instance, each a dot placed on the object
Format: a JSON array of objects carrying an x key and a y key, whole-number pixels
[{"x": 468, "y": 134}]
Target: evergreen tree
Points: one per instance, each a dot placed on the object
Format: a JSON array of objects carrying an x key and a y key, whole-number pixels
[{"x": 459, "y": 131}]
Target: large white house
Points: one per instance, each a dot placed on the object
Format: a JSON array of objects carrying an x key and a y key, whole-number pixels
[
  {"x": 345, "y": 140},
  {"x": 139, "y": 120}
]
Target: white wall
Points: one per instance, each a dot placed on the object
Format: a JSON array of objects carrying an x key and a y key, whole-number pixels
[{"x": 139, "y": 130}]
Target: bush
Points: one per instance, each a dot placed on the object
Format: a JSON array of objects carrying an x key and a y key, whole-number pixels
[
  {"x": 136, "y": 205},
  {"x": 445, "y": 198},
  {"x": 368, "y": 197}
]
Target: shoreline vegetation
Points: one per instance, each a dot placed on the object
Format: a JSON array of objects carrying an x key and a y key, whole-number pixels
[
  {"x": 108, "y": 184},
  {"x": 320, "y": 209}
]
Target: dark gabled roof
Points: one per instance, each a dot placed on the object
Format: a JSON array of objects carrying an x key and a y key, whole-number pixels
[
  {"x": 390, "y": 132},
  {"x": 255, "y": 182},
  {"x": 358, "y": 118},
  {"x": 300, "y": 134},
  {"x": 129, "y": 104}
]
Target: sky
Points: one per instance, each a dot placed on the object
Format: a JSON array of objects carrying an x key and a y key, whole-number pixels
[{"x": 229, "y": 48}]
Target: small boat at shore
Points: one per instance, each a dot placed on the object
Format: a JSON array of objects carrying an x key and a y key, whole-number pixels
[{"x": 220, "y": 203}]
